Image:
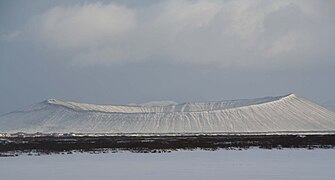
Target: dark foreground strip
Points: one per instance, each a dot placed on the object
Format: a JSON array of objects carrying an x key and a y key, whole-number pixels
[{"x": 58, "y": 144}]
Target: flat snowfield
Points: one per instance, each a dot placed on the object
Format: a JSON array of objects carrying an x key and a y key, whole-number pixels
[{"x": 298, "y": 164}]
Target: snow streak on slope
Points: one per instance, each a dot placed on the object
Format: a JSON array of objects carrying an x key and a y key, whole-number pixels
[
  {"x": 157, "y": 107},
  {"x": 269, "y": 114}
]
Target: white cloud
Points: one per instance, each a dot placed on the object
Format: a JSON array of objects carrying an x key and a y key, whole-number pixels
[
  {"x": 85, "y": 25},
  {"x": 179, "y": 16},
  {"x": 225, "y": 33},
  {"x": 283, "y": 44}
]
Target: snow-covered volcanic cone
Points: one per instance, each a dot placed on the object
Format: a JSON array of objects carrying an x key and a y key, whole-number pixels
[{"x": 268, "y": 114}]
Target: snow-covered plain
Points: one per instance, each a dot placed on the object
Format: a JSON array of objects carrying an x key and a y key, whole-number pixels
[
  {"x": 257, "y": 164},
  {"x": 268, "y": 114}
]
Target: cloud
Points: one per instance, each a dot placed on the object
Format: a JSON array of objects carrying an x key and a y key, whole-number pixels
[
  {"x": 82, "y": 26},
  {"x": 9, "y": 36},
  {"x": 283, "y": 44},
  {"x": 241, "y": 34}
]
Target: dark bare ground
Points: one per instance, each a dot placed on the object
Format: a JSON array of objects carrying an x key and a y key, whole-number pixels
[{"x": 46, "y": 144}]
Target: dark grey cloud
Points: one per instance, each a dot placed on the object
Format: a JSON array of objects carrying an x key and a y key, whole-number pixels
[
  {"x": 223, "y": 33},
  {"x": 127, "y": 51}
]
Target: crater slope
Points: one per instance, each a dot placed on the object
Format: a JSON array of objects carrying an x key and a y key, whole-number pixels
[{"x": 288, "y": 113}]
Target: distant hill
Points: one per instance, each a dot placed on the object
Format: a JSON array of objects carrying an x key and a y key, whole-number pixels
[
  {"x": 268, "y": 114},
  {"x": 329, "y": 105}
]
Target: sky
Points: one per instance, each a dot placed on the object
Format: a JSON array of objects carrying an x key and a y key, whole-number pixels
[{"x": 121, "y": 52}]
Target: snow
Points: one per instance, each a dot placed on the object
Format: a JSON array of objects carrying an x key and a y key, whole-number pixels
[
  {"x": 253, "y": 164},
  {"x": 268, "y": 114},
  {"x": 162, "y": 106}
]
